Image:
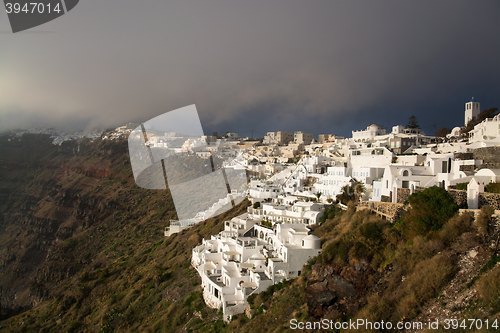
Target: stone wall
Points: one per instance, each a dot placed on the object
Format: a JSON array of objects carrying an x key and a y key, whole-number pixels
[
  {"x": 403, "y": 195},
  {"x": 466, "y": 167},
  {"x": 489, "y": 155},
  {"x": 464, "y": 156},
  {"x": 459, "y": 196},
  {"x": 385, "y": 198},
  {"x": 391, "y": 211},
  {"x": 491, "y": 199}
]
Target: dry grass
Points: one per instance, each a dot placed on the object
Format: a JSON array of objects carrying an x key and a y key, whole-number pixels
[
  {"x": 427, "y": 279},
  {"x": 456, "y": 226},
  {"x": 489, "y": 288},
  {"x": 484, "y": 219}
]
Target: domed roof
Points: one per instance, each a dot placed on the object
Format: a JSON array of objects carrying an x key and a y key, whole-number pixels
[
  {"x": 257, "y": 256},
  {"x": 311, "y": 237},
  {"x": 472, "y": 100}
]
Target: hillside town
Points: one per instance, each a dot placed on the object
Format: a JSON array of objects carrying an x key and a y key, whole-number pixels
[{"x": 293, "y": 177}]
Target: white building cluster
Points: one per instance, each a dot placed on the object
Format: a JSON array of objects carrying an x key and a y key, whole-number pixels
[
  {"x": 292, "y": 177},
  {"x": 384, "y": 162},
  {"x": 247, "y": 256}
]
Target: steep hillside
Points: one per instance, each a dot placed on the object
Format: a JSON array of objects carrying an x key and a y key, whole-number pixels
[
  {"x": 82, "y": 249},
  {"x": 369, "y": 271}
]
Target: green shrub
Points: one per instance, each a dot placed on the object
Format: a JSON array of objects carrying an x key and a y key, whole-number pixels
[
  {"x": 456, "y": 226},
  {"x": 266, "y": 224},
  {"x": 360, "y": 250},
  {"x": 493, "y": 188},
  {"x": 430, "y": 209},
  {"x": 371, "y": 231},
  {"x": 495, "y": 258},
  {"x": 337, "y": 250},
  {"x": 74, "y": 327},
  {"x": 330, "y": 212}
]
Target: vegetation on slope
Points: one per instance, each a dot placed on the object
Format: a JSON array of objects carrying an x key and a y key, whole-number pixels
[
  {"x": 394, "y": 272},
  {"x": 115, "y": 272},
  {"x": 101, "y": 261}
]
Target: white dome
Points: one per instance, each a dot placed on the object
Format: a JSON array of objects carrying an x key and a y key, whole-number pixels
[
  {"x": 257, "y": 256},
  {"x": 311, "y": 242}
]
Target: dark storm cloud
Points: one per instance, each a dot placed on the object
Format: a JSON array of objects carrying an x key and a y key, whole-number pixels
[{"x": 321, "y": 66}]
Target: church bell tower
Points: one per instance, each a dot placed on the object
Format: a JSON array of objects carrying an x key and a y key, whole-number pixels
[{"x": 471, "y": 110}]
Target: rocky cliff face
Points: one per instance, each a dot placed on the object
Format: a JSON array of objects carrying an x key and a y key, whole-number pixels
[
  {"x": 51, "y": 196},
  {"x": 331, "y": 288}
]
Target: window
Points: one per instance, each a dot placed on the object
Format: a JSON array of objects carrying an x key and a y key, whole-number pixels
[
  {"x": 386, "y": 184},
  {"x": 405, "y": 173},
  {"x": 444, "y": 167},
  {"x": 406, "y": 184}
]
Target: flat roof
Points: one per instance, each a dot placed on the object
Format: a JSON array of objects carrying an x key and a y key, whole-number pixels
[{"x": 213, "y": 278}]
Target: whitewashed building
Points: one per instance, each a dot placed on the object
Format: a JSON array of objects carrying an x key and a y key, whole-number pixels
[
  {"x": 285, "y": 211},
  {"x": 246, "y": 259},
  {"x": 478, "y": 183},
  {"x": 260, "y": 190},
  {"x": 376, "y": 157},
  {"x": 302, "y": 138},
  {"x": 488, "y": 129},
  {"x": 440, "y": 170},
  {"x": 368, "y": 134},
  {"x": 330, "y": 183}
]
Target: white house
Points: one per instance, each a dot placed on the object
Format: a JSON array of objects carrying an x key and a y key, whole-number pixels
[
  {"x": 367, "y": 174},
  {"x": 234, "y": 267},
  {"x": 397, "y": 176},
  {"x": 455, "y": 132},
  {"x": 330, "y": 183},
  {"x": 269, "y": 138},
  {"x": 302, "y": 138},
  {"x": 260, "y": 190},
  {"x": 488, "y": 129},
  {"x": 478, "y": 183},
  {"x": 375, "y": 157},
  {"x": 306, "y": 213},
  {"x": 437, "y": 170},
  {"x": 369, "y": 134}
]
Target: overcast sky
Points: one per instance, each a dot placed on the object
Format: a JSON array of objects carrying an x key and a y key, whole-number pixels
[{"x": 315, "y": 66}]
